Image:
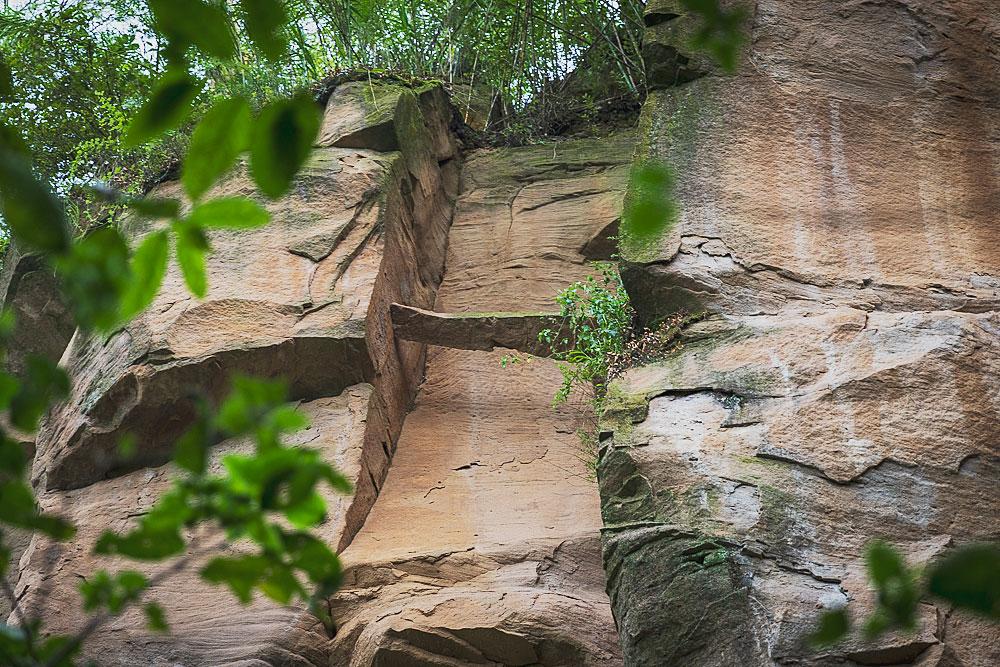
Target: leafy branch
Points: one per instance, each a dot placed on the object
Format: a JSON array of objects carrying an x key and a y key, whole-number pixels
[{"x": 266, "y": 502}]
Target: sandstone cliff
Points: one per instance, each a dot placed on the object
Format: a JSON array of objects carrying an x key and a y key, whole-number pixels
[
  {"x": 839, "y": 202},
  {"x": 838, "y": 197}
]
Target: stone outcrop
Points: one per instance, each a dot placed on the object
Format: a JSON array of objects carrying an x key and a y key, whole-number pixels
[
  {"x": 483, "y": 546},
  {"x": 838, "y": 203},
  {"x": 838, "y": 199},
  {"x": 305, "y": 298},
  {"x": 476, "y": 331},
  {"x": 43, "y": 327}
]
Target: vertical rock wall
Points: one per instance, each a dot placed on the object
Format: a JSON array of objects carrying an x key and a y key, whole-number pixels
[
  {"x": 483, "y": 546},
  {"x": 305, "y": 298},
  {"x": 839, "y": 203}
]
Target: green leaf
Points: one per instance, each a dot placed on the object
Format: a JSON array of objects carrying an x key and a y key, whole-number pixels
[
  {"x": 141, "y": 544},
  {"x": 282, "y": 140},
  {"x": 221, "y": 135},
  {"x": 833, "y": 626},
  {"x": 192, "y": 245},
  {"x": 149, "y": 265},
  {"x": 6, "y": 79},
  {"x": 249, "y": 401},
  {"x": 156, "y": 619},
  {"x": 884, "y": 563},
  {"x": 155, "y": 208},
  {"x": 241, "y": 575},
  {"x": 720, "y": 32},
  {"x": 650, "y": 209},
  {"x": 191, "y": 451},
  {"x": 169, "y": 103},
  {"x": 228, "y": 213},
  {"x": 127, "y": 446},
  {"x": 197, "y": 23},
  {"x": 43, "y": 383},
  {"x": 12, "y": 457},
  {"x": 18, "y": 508},
  {"x": 313, "y": 557},
  {"x": 265, "y": 21},
  {"x": 114, "y": 593},
  {"x": 33, "y": 214},
  {"x": 896, "y": 587},
  {"x": 94, "y": 275},
  {"x": 308, "y": 512},
  {"x": 969, "y": 578}
]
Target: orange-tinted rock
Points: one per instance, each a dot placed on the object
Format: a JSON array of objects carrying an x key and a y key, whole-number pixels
[
  {"x": 304, "y": 298},
  {"x": 483, "y": 546},
  {"x": 838, "y": 202}
]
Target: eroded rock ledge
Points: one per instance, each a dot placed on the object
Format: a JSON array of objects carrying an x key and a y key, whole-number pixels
[{"x": 305, "y": 298}]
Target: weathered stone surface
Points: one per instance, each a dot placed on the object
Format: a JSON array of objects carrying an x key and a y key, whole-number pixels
[
  {"x": 305, "y": 298},
  {"x": 208, "y": 625},
  {"x": 482, "y": 547},
  {"x": 483, "y": 544},
  {"x": 475, "y": 331},
  {"x": 838, "y": 202},
  {"x": 550, "y": 201},
  {"x": 43, "y": 327},
  {"x": 380, "y": 115}
]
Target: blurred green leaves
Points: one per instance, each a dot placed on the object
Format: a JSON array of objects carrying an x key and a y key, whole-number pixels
[
  {"x": 148, "y": 266},
  {"x": 95, "y": 274},
  {"x": 221, "y": 135},
  {"x": 969, "y": 578},
  {"x": 169, "y": 104},
  {"x": 650, "y": 210},
  {"x": 896, "y": 586},
  {"x": 6, "y": 79},
  {"x": 720, "y": 30},
  {"x": 265, "y": 21},
  {"x": 43, "y": 383},
  {"x": 833, "y": 626},
  {"x": 156, "y": 618},
  {"x": 191, "y": 248},
  {"x": 275, "y": 480},
  {"x": 35, "y": 216},
  {"x": 282, "y": 140},
  {"x": 228, "y": 213},
  {"x": 18, "y": 508},
  {"x": 195, "y": 23},
  {"x": 104, "y": 591}
]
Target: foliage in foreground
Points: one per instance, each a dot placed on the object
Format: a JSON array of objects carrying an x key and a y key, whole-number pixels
[
  {"x": 265, "y": 503},
  {"x": 967, "y": 578}
]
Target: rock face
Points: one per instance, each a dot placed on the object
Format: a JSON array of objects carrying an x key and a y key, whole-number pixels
[
  {"x": 305, "y": 298},
  {"x": 839, "y": 199},
  {"x": 43, "y": 328},
  {"x": 483, "y": 546}
]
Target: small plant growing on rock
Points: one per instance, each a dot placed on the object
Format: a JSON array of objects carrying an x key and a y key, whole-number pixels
[
  {"x": 600, "y": 338},
  {"x": 597, "y": 323}
]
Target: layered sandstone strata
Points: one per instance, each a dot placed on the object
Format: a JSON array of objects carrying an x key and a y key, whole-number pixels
[
  {"x": 839, "y": 197},
  {"x": 483, "y": 547},
  {"x": 305, "y": 298}
]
